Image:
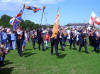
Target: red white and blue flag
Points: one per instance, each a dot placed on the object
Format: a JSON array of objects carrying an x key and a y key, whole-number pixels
[
  {"x": 35, "y": 9},
  {"x": 16, "y": 20}
]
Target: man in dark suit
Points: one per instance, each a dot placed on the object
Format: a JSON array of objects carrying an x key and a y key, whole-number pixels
[
  {"x": 82, "y": 41},
  {"x": 20, "y": 39},
  {"x": 33, "y": 38},
  {"x": 52, "y": 41},
  {"x": 40, "y": 38},
  {"x": 60, "y": 37},
  {"x": 95, "y": 40},
  {"x": 56, "y": 42},
  {"x": 72, "y": 40}
]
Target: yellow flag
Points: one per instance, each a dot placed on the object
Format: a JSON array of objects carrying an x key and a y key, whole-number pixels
[{"x": 55, "y": 27}]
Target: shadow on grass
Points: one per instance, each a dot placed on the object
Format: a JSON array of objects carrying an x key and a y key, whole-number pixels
[
  {"x": 7, "y": 62},
  {"x": 27, "y": 54},
  {"x": 28, "y": 49},
  {"x": 6, "y": 70},
  {"x": 61, "y": 56}
]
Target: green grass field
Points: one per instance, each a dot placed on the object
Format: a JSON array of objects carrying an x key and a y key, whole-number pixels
[{"x": 39, "y": 62}]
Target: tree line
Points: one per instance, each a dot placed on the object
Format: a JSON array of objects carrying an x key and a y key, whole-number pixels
[{"x": 27, "y": 24}]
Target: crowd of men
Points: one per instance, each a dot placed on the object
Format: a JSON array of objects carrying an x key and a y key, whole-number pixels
[{"x": 10, "y": 39}]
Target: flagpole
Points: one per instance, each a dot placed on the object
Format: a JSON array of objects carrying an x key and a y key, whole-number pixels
[
  {"x": 93, "y": 20},
  {"x": 42, "y": 15}
]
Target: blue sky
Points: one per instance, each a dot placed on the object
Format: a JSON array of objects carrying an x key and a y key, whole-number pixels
[{"x": 70, "y": 11}]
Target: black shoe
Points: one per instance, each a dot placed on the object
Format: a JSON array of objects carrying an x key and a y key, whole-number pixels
[
  {"x": 42, "y": 49},
  {"x": 93, "y": 50},
  {"x": 51, "y": 54},
  {"x": 75, "y": 49},
  {"x": 62, "y": 49},
  {"x": 57, "y": 54},
  {"x": 2, "y": 63},
  {"x": 87, "y": 52},
  {"x": 97, "y": 51},
  {"x": 46, "y": 47},
  {"x": 34, "y": 48},
  {"x": 20, "y": 55},
  {"x": 79, "y": 51}
]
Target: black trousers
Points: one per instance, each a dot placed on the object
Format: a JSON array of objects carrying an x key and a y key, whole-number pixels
[
  {"x": 72, "y": 42},
  {"x": 2, "y": 62},
  {"x": 83, "y": 45},
  {"x": 19, "y": 44},
  {"x": 41, "y": 42},
  {"x": 64, "y": 41},
  {"x": 96, "y": 45},
  {"x": 52, "y": 44},
  {"x": 56, "y": 46},
  {"x": 33, "y": 42},
  {"x": 61, "y": 44}
]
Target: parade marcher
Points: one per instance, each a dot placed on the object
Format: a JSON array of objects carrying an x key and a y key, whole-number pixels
[
  {"x": 95, "y": 39},
  {"x": 33, "y": 38},
  {"x": 91, "y": 38},
  {"x": 56, "y": 42},
  {"x": 20, "y": 38},
  {"x": 40, "y": 38},
  {"x": 60, "y": 34},
  {"x": 64, "y": 36},
  {"x": 72, "y": 40},
  {"x": 51, "y": 41},
  {"x": 83, "y": 41}
]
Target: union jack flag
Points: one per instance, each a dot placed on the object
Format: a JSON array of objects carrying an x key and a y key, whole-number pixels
[{"x": 16, "y": 20}]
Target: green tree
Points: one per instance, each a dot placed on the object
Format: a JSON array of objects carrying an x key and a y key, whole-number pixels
[
  {"x": 4, "y": 20},
  {"x": 27, "y": 24}
]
